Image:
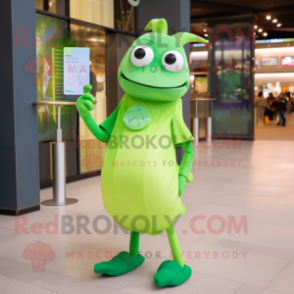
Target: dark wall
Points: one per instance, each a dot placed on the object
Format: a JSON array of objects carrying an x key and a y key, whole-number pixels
[
  {"x": 116, "y": 47},
  {"x": 19, "y": 157},
  {"x": 7, "y": 133}
]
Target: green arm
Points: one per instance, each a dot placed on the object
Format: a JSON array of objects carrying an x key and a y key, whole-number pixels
[
  {"x": 98, "y": 132},
  {"x": 186, "y": 166},
  {"x": 84, "y": 105}
]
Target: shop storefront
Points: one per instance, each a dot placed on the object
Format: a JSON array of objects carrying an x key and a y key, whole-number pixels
[
  {"x": 274, "y": 67},
  {"x": 75, "y": 23},
  {"x": 273, "y": 73}
]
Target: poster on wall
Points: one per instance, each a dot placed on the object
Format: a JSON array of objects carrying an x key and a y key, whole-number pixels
[
  {"x": 76, "y": 70},
  {"x": 47, "y": 72},
  {"x": 269, "y": 61},
  {"x": 200, "y": 85},
  {"x": 287, "y": 61}
]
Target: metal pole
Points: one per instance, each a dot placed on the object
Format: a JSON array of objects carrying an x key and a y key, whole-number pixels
[
  {"x": 209, "y": 124},
  {"x": 196, "y": 124},
  {"x": 59, "y": 170},
  {"x": 209, "y": 129}
]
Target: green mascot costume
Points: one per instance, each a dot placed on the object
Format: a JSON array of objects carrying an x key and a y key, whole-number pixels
[{"x": 142, "y": 183}]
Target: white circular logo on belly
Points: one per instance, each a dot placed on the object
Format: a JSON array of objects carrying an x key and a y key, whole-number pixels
[{"x": 137, "y": 117}]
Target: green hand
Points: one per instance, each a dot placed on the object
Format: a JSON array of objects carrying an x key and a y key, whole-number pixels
[
  {"x": 86, "y": 102},
  {"x": 182, "y": 184}
]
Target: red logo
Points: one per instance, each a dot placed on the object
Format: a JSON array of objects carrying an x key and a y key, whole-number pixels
[
  {"x": 92, "y": 162},
  {"x": 39, "y": 253}
]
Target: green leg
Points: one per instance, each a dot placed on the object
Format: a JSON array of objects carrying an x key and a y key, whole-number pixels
[
  {"x": 175, "y": 246},
  {"x": 134, "y": 243},
  {"x": 124, "y": 262},
  {"x": 173, "y": 272}
]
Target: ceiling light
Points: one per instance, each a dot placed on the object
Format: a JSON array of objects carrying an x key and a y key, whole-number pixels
[
  {"x": 260, "y": 30},
  {"x": 264, "y": 34},
  {"x": 255, "y": 26},
  {"x": 275, "y": 20},
  {"x": 205, "y": 35},
  {"x": 204, "y": 30},
  {"x": 268, "y": 17},
  {"x": 279, "y": 24}
]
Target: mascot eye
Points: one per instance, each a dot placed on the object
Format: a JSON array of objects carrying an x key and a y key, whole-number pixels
[
  {"x": 173, "y": 61},
  {"x": 142, "y": 55}
]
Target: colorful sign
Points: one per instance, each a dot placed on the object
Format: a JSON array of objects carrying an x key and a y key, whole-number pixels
[{"x": 287, "y": 61}]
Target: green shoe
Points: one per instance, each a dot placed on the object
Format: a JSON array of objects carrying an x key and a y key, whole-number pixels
[
  {"x": 121, "y": 264},
  {"x": 170, "y": 273}
]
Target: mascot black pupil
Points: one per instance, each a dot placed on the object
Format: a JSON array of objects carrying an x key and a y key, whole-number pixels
[
  {"x": 170, "y": 58},
  {"x": 140, "y": 53}
]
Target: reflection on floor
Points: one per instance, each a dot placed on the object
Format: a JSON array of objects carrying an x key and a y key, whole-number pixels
[
  {"x": 277, "y": 133},
  {"x": 249, "y": 184}
]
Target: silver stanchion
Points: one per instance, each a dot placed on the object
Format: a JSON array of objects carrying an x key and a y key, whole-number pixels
[
  {"x": 209, "y": 129},
  {"x": 59, "y": 163},
  {"x": 196, "y": 120},
  {"x": 196, "y": 124}
]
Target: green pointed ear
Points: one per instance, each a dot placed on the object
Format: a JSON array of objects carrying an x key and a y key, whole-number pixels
[
  {"x": 184, "y": 38},
  {"x": 157, "y": 25}
]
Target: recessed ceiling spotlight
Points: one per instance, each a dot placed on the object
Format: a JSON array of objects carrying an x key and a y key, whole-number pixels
[
  {"x": 260, "y": 30},
  {"x": 279, "y": 24},
  {"x": 268, "y": 17},
  {"x": 205, "y": 35},
  {"x": 264, "y": 34},
  {"x": 204, "y": 30},
  {"x": 275, "y": 20},
  {"x": 255, "y": 26}
]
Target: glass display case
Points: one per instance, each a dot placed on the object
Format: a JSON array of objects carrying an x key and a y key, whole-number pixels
[{"x": 231, "y": 79}]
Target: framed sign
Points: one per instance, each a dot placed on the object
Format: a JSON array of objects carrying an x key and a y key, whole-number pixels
[
  {"x": 287, "y": 61},
  {"x": 76, "y": 70},
  {"x": 269, "y": 61},
  {"x": 200, "y": 84}
]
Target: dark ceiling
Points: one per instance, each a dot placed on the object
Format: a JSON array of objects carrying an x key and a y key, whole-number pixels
[{"x": 282, "y": 10}]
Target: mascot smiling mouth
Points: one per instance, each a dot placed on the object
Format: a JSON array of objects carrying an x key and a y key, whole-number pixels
[{"x": 183, "y": 85}]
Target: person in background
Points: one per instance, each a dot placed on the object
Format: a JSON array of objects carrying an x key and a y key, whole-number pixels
[
  {"x": 289, "y": 103},
  {"x": 261, "y": 106},
  {"x": 281, "y": 109},
  {"x": 270, "y": 111}
]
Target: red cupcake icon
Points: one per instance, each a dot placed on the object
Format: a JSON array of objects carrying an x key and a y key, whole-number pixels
[{"x": 39, "y": 253}]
